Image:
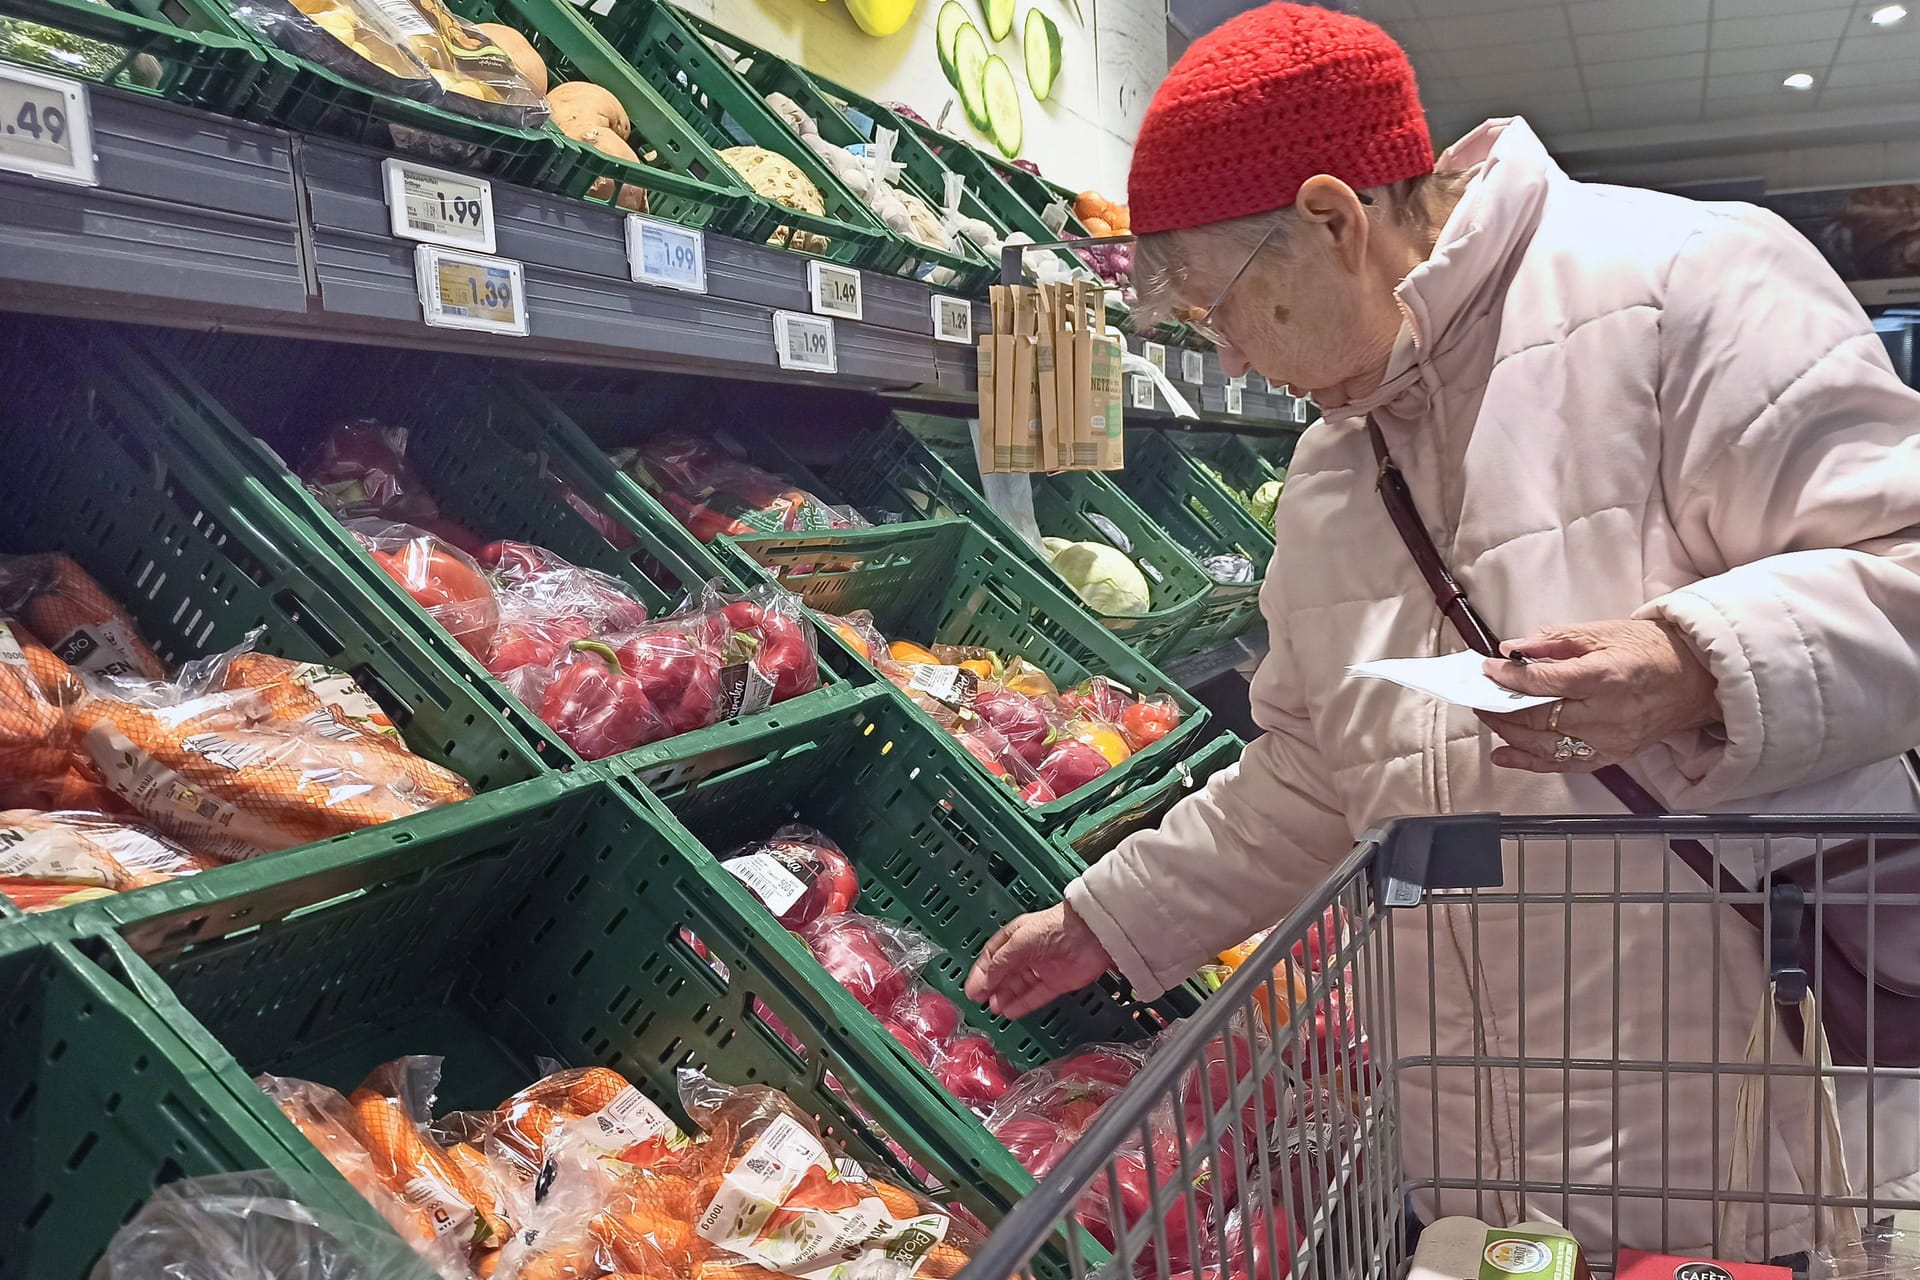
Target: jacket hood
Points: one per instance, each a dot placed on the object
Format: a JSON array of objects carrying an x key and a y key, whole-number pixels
[{"x": 1462, "y": 281}]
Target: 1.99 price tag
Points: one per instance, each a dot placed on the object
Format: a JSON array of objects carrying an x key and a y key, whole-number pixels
[
  {"x": 467, "y": 291},
  {"x": 433, "y": 206},
  {"x": 666, "y": 254},
  {"x": 45, "y": 127},
  {"x": 804, "y": 343}
]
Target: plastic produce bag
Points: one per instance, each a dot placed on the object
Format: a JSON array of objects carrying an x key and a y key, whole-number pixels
[
  {"x": 1883, "y": 1254},
  {"x": 797, "y": 874},
  {"x": 588, "y": 1108},
  {"x": 234, "y": 769},
  {"x": 443, "y": 580},
  {"x": 713, "y": 493},
  {"x": 873, "y": 959},
  {"x": 1229, "y": 569},
  {"x": 72, "y": 616},
  {"x": 241, "y": 1226},
  {"x": 545, "y": 603},
  {"x": 50, "y": 860},
  {"x": 359, "y": 471},
  {"x": 391, "y": 1110}
]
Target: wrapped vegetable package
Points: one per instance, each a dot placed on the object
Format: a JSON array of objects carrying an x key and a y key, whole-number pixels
[
  {"x": 50, "y": 860},
  {"x": 712, "y": 493},
  {"x": 446, "y": 582},
  {"x": 236, "y": 769},
  {"x": 69, "y": 613},
  {"x": 359, "y": 471}
]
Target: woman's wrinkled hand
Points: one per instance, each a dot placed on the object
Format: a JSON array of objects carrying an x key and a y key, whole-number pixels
[
  {"x": 1035, "y": 960},
  {"x": 1625, "y": 686}
]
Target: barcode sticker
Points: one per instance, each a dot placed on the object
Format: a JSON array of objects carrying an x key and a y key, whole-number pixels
[
  {"x": 767, "y": 880},
  {"x": 630, "y": 1119},
  {"x": 956, "y": 685},
  {"x": 445, "y": 1209}
]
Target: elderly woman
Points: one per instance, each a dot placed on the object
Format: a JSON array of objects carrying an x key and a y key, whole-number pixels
[{"x": 1659, "y": 444}]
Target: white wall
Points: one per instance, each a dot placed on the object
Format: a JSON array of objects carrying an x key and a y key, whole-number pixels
[{"x": 1080, "y": 138}]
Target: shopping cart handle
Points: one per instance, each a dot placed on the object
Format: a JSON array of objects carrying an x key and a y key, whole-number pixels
[
  {"x": 1446, "y": 851},
  {"x": 1786, "y": 909}
]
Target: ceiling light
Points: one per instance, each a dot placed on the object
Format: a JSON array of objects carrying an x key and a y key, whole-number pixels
[
  {"x": 1799, "y": 80},
  {"x": 1887, "y": 15}
]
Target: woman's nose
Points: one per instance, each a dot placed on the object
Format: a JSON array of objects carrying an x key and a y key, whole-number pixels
[{"x": 1232, "y": 362}]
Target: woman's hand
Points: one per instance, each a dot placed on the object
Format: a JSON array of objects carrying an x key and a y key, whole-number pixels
[
  {"x": 1626, "y": 686},
  {"x": 1035, "y": 960}
]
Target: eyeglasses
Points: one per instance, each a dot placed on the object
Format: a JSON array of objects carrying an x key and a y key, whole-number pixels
[{"x": 1205, "y": 320}]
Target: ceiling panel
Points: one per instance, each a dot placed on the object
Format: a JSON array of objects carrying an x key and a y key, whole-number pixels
[
  {"x": 1597, "y": 17},
  {"x": 1539, "y": 22},
  {"x": 1676, "y": 67},
  {"x": 1780, "y": 28},
  {"x": 1647, "y": 42},
  {"x": 1776, "y": 59}
]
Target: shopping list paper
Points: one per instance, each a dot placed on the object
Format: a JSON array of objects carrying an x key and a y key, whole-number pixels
[{"x": 1459, "y": 678}]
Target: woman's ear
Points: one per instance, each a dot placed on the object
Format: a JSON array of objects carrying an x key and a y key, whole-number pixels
[{"x": 1331, "y": 206}]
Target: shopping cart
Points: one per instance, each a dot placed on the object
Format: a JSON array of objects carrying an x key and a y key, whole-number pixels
[{"x": 1317, "y": 1151}]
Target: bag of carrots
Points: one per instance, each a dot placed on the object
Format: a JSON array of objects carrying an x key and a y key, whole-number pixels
[
  {"x": 71, "y": 615},
  {"x": 50, "y": 860},
  {"x": 239, "y": 756}
]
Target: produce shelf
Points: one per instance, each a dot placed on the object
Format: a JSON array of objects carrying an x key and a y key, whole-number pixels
[
  {"x": 107, "y": 1102},
  {"x": 185, "y": 539},
  {"x": 484, "y": 453},
  {"x": 890, "y": 469},
  {"x": 582, "y": 927},
  {"x": 214, "y": 64},
  {"x": 934, "y": 850},
  {"x": 1205, "y": 523},
  {"x": 945, "y": 582},
  {"x": 1094, "y": 836}
]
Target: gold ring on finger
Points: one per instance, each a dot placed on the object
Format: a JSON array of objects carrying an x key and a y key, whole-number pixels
[{"x": 1553, "y": 717}]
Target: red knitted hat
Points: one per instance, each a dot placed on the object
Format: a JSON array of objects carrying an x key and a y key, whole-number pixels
[{"x": 1262, "y": 103}]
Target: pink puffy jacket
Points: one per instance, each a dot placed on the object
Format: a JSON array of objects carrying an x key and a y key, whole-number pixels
[{"x": 1609, "y": 403}]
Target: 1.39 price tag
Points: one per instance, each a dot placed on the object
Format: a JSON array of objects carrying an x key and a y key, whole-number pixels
[
  {"x": 666, "y": 254},
  {"x": 467, "y": 291},
  {"x": 437, "y": 207},
  {"x": 46, "y": 129},
  {"x": 835, "y": 291},
  {"x": 1192, "y": 368},
  {"x": 804, "y": 343}
]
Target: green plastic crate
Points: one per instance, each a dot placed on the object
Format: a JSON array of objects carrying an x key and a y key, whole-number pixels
[
  {"x": 934, "y": 850},
  {"x": 480, "y": 439},
  {"x": 892, "y": 470},
  {"x": 1229, "y": 455},
  {"x": 945, "y": 582},
  {"x": 1204, "y": 522},
  {"x": 653, "y": 62},
  {"x": 200, "y": 556},
  {"x": 965, "y": 270},
  {"x": 566, "y": 930},
  {"x": 716, "y": 200},
  {"x": 106, "y": 1103},
  {"x": 1094, "y": 836},
  {"x": 1276, "y": 450},
  {"x": 212, "y": 65}
]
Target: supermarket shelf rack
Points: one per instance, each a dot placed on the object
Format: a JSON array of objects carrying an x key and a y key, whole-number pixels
[{"x": 206, "y": 222}]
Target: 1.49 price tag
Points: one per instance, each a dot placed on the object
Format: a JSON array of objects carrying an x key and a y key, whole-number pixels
[
  {"x": 437, "y": 207},
  {"x": 835, "y": 291},
  {"x": 666, "y": 254},
  {"x": 467, "y": 291},
  {"x": 45, "y": 127},
  {"x": 804, "y": 343}
]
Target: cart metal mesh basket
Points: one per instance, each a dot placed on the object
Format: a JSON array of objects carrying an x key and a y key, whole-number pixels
[{"x": 1319, "y": 1151}]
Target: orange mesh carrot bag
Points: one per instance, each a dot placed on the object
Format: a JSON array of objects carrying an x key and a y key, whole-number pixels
[{"x": 74, "y": 617}]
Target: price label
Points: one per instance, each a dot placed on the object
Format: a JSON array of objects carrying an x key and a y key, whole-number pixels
[
  {"x": 45, "y": 127},
  {"x": 1156, "y": 355},
  {"x": 467, "y": 291},
  {"x": 666, "y": 254},
  {"x": 835, "y": 291},
  {"x": 1192, "y": 368},
  {"x": 952, "y": 319},
  {"x": 437, "y": 207},
  {"x": 804, "y": 342},
  {"x": 1236, "y": 395},
  {"x": 1143, "y": 397}
]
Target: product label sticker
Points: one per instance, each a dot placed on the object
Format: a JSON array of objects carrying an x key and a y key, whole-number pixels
[
  {"x": 10, "y": 651},
  {"x": 45, "y": 852},
  {"x": 225, "y": 751},
  {"x": 1512, "y": 1251},
  {"x": 953, "y": 685},
  {"x": 164, "y": 797},
  {"x": 630, "y": 1119},
  {"x": 443, "y": 1208},
  {"x": 99, "y": 648},
  {"x": 767, "y": 880}
]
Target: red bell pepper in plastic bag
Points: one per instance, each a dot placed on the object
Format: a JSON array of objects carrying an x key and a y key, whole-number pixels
[{"x": 595, "y": 706}]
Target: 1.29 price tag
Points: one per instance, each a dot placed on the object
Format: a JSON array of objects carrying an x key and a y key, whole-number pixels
[
  {"x": 1192, "y": 368},
  {"x": 467, "y": 291},
  {"x": 804, "y": 343},
  {"x": 46, "y": 129},
  {"x": 835, "y": 291},
  {"x": 952, "y": 320},
  {"x": 433, "y": 206},
  {"x": 666, "y": 254}
]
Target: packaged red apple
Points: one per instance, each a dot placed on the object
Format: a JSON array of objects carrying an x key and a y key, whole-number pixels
[
  {"x": 788, "y": 1202},
  {"x": 441, "y": 578},
  {"x": 359, "y": 470},
  {"x": 798, "y": 874},
  {"x": 972, "y": 1070},
  {"x": 713, "y": 493},
  {"x": 874, "y": 959}
]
